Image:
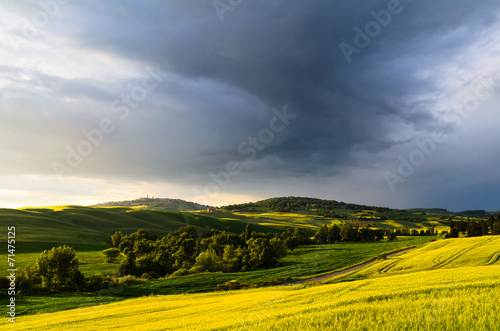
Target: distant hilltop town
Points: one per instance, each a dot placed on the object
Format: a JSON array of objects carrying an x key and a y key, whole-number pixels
[{"x": 147, "y": 198}]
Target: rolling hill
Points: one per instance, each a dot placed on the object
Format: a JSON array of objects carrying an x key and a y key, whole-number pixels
[
  {"x": 95, "y": 225},
  {"x": 156, "y": 204}
]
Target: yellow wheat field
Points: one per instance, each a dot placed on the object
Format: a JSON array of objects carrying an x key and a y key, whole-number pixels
[
  {"x": 460, "y": 298},
  {"x": 448, "y": 253}
]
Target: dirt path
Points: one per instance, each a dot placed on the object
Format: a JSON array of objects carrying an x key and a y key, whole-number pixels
[{"x": 348, "y": 270}]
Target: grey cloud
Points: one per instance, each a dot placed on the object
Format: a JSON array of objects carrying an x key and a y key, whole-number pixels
[{"x": 226, "y": 77}]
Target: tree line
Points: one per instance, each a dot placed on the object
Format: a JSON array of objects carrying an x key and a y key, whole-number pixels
[
  {"x": 348, "y": 233},
  {"x": 474, "y": 228},
  {"x": 285, "y": 204},
  {"x": 180, "y": 253},
  {"x": 147, "y": 256}
]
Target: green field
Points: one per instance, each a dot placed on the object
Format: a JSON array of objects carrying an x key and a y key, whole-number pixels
[
  {"x": 95, "y": 225},
  {"x": 304, "y": 262},
  {"x": 449, "y": 290}
]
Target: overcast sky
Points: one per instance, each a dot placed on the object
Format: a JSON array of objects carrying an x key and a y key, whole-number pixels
[{"x": 388, "y": 103}]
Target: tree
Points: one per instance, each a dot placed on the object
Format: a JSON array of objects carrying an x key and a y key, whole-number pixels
[
  {"x": 262, "y": 254},
  {"x": 55, "y": 266},
  {"x": 128, "y": 267},
  {"x": 348, "y": 233},
  {"x": 292, "y": 243},
  {"x": 322, "y": 234},
  {"x": 246, "y": 235},
  {"x": 496, "y": 228},
  {"x": 391, "y": 235},
  {"x": 207, "y": 261},
  {"x": 111, "y": 254},
  {"x": 230, "y": 259},
  {"x": 301, "y": 235},
  {"x": 334, "y": 233},
  {"x": 379, "y": 234},
  {"x": 116, "y": 239},
  {"x": 491, "y": 221}
]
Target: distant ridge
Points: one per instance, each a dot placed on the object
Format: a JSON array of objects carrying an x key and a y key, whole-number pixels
[{"x": 156, "y": 204}]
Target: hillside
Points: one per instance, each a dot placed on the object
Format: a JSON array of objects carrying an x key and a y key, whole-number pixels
[
  {"x": 156, "y": 204},
  {"x": 95, "y": 225},
  {"x": 299, "y": 203},
  {"x": 443, "y": 254},
  {"x": 428, "y": 298}
]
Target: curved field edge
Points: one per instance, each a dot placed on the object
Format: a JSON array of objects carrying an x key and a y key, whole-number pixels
[{"x": 446, "y": 299}]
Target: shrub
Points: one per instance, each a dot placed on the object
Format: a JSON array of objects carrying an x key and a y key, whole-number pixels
[
  {"x": 96, "y": 283},
  {"x": 231, "y": 285},
  {"x": 180, "y": 272},
  {"x": 110, "y": 255}
]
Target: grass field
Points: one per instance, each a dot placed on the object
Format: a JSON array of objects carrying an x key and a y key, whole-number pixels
[
  {"x": 95, "y": 225},
  {"x": 456, "y": 253},
  {"x": 465, "y": 298},
  {"x": 304, "y": 262},
  {"x": 310, "y": 221},
  {"x": 456, "y": 291}
]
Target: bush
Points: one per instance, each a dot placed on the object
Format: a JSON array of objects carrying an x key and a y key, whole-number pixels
[
  {"x": 96, "y": 283},
  {"x": 110, "y": 255},
  {"x": 129, "y": 279},
  {"x": 231, "y": 285},
  {"x": 180, "y": 272}
]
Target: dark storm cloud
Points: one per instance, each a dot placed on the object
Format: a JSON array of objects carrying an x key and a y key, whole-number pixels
[{"x": 287, "y": 53}]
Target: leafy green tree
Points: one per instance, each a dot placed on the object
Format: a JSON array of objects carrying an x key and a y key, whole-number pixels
[
  {"x": 230, "y": 259},
  {"x": 128, "y": 267},
  {"x": 77, "y": 279},
  {"x": 292, "y": 243},
  {"x": 111, "y": 254},
  {"x": 116, "y": 239},
  {"x": 496, "y": 228},
  {"x": 322, "y": 234},
  {"x": 379, "y": 234},
  {"x": 348, "y": 233},
  {"x": 334, "y": 233},
  {"x": 391, "y": 235},
  {"x": 260, "y": 253},
  {"x": 246, "y": 235},
  {"x": 187, "y": 231},
  {"x": 207, "y": 261},
  {"x": 55, "y": 266}
]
